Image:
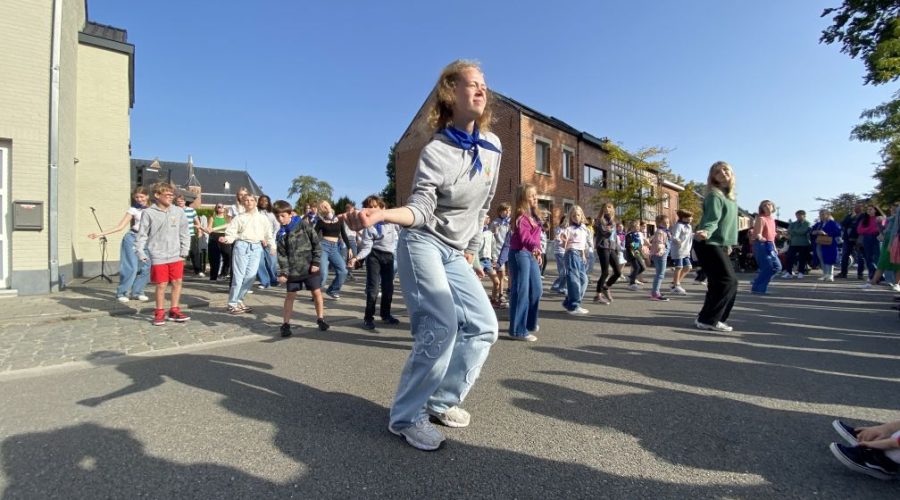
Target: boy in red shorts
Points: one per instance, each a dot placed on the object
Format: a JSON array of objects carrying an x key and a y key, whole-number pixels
[{"x": 164, "y": 233}]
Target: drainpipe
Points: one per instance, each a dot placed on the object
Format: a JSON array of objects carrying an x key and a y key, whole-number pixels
[{"x": 53, "y": 201}]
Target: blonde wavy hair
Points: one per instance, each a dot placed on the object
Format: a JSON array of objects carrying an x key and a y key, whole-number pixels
[
  {"x": 728, "y": 190},
  {"x": 441, "y": 113}
]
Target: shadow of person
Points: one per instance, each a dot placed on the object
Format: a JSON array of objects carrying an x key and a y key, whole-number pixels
[
  {"x": 704, "y": 432},
  {"x": 760, "y": 379},
  {"x": 340, "y": 438}
]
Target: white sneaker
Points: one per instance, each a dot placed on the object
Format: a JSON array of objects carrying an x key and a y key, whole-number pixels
[
  {"x": 786, "y": 275},
  {"x": 718, "y": 327},
  {"x": 249, "y": 292},
  {"x": 123, "y": 299},
  {"x": 895, "y": 287},
  {"x": 201, "y": 275},
  {"x": 142, "y": 298},
  {"x": 866, "y": 285},
  {"x": 453, "y": 417},
  {"x": 422, "y": 435},
  {"x": 679, "y": 291},
  {"x": 578, "y": 312},
  {"x": 829, "y": 278}
]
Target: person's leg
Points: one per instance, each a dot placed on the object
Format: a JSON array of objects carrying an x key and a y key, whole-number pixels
[
  {"x": 860, "y": 255},
  {"x": 802, "y": 259},
  {"x": 582, "y": 280},
  {"x": 161, "y": 295},
  {"x": 431, "y": 286},
  {"x": 194, "y": 254},
  {"x": 262, "y": 274},
  {"x": 318, "y": 302},
  {"x": 240, "y": 264},
  {"x": 603, "y": 256},
  {"x": 519, "y": 292},
  {"x": 477, "y": 331},
  {"x": 128, "y": 265},
  {"x": 632, "y": 276},
  {"x": 324, "y": 262},
  {"x": 659, "y": 265},
  {"x": 845, "y": 257},
  {"x": 791, "y": 259},
  {"x": 176, "y": 293},
  {"x": 373, "y": 276},
  {"x": 571, "y": 284},
  {"x": 535, "y": 290},
  {"x": 387, "y": 283},
  {"x": 340, "y": 269},
  {"x": 142, "y": 277},
  {"x": 719, "y": 275},
  {"x": 613, "y": 259},
  {"x": 872, "y": 252},
  {"x": 254, "y": 255},
  {"x": 560, "y": 280},
  {"x": 758, "y": 285},
  {"x": 288, "y": 309}
]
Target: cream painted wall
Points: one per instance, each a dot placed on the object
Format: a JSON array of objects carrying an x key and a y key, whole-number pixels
[{"x": 104, "y": 129}]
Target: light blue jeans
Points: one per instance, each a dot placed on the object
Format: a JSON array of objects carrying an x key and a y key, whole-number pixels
[
  {"x": 453, "y": 327},
  {"x": 560, "y": 281},
  {"x": 332, "y": 254},
  {"x": 768, "y": 263},
  {"x": 659, "y": 263},
  {"x": 525, "y": 292},
  {"x": 268, "y": 269},
  {"x": 133, "y": 274},
  {"x": 576, "y": 280},
  {"x": 244, "y": 265}
]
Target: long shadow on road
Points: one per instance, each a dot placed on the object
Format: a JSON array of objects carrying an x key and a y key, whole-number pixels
[{"x": 340, "y": 438}]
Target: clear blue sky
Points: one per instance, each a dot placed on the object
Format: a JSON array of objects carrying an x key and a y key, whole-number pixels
[{"x": 324, "y": 88}]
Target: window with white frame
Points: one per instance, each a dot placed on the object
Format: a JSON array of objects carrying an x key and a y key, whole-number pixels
[
  {"x": 568, "y": 164},
  {"x": 541, "y": 156},
  {"x": 594, "y": 177}
]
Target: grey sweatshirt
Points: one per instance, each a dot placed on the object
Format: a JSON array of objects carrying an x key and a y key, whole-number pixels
[
  {"x": 371, "y": 240},
  {"x": 449, "y": 198},
  {"x": 165, "y": 234}
]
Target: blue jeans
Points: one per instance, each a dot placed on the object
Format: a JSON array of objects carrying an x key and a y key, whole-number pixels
[
  {"x": 560, "y": 281},
  {"x": 525, "y": 292},
  {"x": 244, "y": 265},
  {"x": 659, "y": 263},
  {"x": 768, "y": 263},
  {"x": 872, "y": 250},
  {"x": 268, "y": 269},
  {"x": 133, "y": 274},
  {"x": 453, "y": 328},
  {"x": 331, "y": 254},
  {"x": 576, "y": 280}
]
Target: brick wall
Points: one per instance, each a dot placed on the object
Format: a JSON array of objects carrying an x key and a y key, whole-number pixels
[
  {"x": 552, "y": 184},
  {"x": 590, "y": 154}
]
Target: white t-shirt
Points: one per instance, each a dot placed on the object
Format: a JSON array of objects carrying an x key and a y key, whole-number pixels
[
  {"x": 135, "y": 214},
  {"x": 577, "y": 237}
]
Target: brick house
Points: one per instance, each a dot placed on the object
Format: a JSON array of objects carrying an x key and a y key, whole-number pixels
[
  {"x": 65, "y": 129},
  {"x": 567, "y": 165}
]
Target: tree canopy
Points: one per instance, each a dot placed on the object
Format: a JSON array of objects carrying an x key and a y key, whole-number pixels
[
  {"x": 309, "y": 190},
  {"x": 389, "y": 193},
  {"x": 632, "y": 186}
]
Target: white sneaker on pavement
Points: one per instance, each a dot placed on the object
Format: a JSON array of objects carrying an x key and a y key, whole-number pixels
[
  {"x": 453, "y": 417},
  {"x": 123, "y": 299},
  {"x": 578, "y": 312}
]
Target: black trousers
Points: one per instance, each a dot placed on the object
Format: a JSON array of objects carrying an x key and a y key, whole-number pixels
[
  {"x": 219, "y": 257},
  {"x": 379, "y": 268},
  {"x": 637, "y": 267},
  {"x": 608, "y": 259},
  {"x": 195, "y": 256},
  {"x": 721, "y": 283},
  {"x": 849, "y": 249},
  {"x": 799, "y": 254}
]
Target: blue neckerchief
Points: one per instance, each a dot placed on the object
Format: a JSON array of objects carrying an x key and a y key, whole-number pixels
[
  {"x": 379, "y": 227},
  {"x": 469, "y": 143},
  {"x": 289, "y": 227},
  {"x": 504, "y": 220},
  {"x": 138, "y": 206}
]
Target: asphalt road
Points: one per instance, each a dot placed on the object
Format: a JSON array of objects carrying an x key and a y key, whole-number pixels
[{"x": 627, "y": 402}]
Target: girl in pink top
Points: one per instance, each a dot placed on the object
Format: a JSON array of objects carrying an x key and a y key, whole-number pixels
[
  {"x": 764, "y": 248},
  {"x": 869, "y": 227},
  {"x": 525, "y": 265}
]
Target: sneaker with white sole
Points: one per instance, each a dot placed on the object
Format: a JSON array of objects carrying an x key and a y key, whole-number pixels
[
  {"x": 718, "y": 327},
  {"x": 579, "y": 311},
  {"x": 141, "y": 297},
  {"x": 868, "y": 461},
  {"x": 866, "y": 285},
  {"x": 895, "y": 287},
  {"x": 123, "y": 299},
  {"x": 525, "y": 338},
  {"x": 786, "y": 275},
  {"x": 453, "y": 417},
  {"x": 422, "y": 435},
  {"x": 848, "y": 432}
]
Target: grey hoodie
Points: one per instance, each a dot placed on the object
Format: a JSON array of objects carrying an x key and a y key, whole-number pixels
[
  {"x": 165, "y": 234},
  {"x": 449, "y": 198}
]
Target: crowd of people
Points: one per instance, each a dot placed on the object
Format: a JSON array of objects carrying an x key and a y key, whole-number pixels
[{"x": 443, "y": 243}]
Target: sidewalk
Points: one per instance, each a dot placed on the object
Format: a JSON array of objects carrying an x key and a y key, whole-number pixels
[{"x": 85, "y": 321}]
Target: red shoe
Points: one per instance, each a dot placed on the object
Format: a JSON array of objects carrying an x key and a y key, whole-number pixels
[
  {"x": 177, "y": 316},
  {"x": 159, "y": 317}
]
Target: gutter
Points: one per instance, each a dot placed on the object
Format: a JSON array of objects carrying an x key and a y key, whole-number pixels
[{"x": 53, "y": 198}]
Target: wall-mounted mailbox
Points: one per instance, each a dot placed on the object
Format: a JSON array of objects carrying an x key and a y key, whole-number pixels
[{"x": 28, "y": 215}]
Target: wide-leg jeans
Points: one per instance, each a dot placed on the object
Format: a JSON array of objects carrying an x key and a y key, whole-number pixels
[
  {"x": 133, "y": 273},
  {"x": 245, "y": 258},
  {"x": 453, "y": 327}
]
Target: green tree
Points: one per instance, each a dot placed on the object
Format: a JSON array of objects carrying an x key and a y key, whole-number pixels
[
  {"x": 341, "y": 204},
  {"x": 870, "y": 30},
  {"x": 633, "y": 184},
  {"x": 309, "y": 190},
  {"x": 691, "y": 198},
  {"x": 389, "y": 193},
  {"x": 840, "y": 205}
]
